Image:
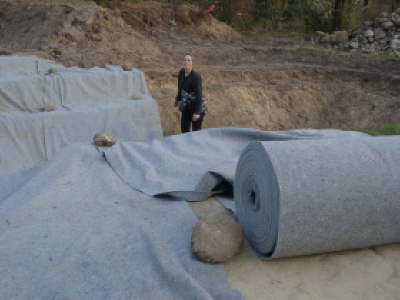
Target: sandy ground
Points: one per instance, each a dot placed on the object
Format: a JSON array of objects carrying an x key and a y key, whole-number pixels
[
  {"x": 364, "y": 274},
  {"x": 359, "y": 274}
]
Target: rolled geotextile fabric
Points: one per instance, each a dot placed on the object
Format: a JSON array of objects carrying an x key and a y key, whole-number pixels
[{"x": 312, "y": 196}]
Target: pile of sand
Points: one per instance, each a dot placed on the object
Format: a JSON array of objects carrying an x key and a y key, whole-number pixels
[
  {"x": 170, "y": 19},
  {"x": 81, "y": 33},
  {"x": 86, "y": 34}
]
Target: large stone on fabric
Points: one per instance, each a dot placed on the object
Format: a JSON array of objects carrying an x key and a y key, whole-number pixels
[{"x": 218, "y": 238}]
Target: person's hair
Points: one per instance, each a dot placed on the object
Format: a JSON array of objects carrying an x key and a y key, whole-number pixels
[{"x": 188, "y": 54}]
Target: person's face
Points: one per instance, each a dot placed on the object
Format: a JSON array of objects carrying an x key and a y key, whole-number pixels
[{"x": 187, "y": 62}]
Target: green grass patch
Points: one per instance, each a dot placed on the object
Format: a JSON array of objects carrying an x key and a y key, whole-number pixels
[{"x": 388, "y": 129}]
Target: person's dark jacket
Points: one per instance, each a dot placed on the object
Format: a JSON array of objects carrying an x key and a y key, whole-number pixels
[{"x": 191, "y": 84}]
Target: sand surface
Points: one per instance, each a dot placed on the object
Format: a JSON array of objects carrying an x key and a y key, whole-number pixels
[
  {"x": 372, "y": 273},
  {"x": 365, "y": 274}
]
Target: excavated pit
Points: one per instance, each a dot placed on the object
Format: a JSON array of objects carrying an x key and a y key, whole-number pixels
[
  {"x": 250, "y": 79},
  {"x": 274, "y": 100}
]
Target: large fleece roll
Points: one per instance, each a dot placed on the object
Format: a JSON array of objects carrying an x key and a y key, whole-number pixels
[{"x": 312, "y": 196}]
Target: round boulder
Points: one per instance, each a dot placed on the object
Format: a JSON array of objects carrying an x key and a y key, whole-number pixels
[
  {"x": 369, "y": 33},
  {"x": 379, "y": 34},
  {"x": 382, "y": 19},
  {"x": 396, "y": 19},
  {"x": 354, "y": 44},
  {"x": 368, "y": 23},
  {"x": 387, "y": 25},
  {"x": 395, "y": 44},
  {"x": 49, "y": 107},
  {"x": 104, "y": 140},
  {"x": 217, "y": 239}
]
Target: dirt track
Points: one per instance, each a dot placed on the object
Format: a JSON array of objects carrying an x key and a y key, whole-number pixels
[{"x": 250, "y": 80}]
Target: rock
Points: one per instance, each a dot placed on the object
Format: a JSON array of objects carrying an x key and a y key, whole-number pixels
[
  {"x": 373, "y": 36},
  {"x": 368, "y": 23},
  {"x": 387, "y": 25},
  {"x": 217, "y": 238},
  {"x": 52, "y": 71},
  {"x": 317, "y": 36},
  {"x": 136, "y": 95},
  {"x": 128, "y": 66},
  {"x": 370, "y": 48},
  {"x": 379, "y": 34},
  {"x": 326, "y": 39},
  {"x": 396, "y": 19},
  {"x": 381, "y": 20},
  {"x": 320, "y": 33},
  {"x": 354, "y": 44},
  {"x": 49, "y": 107},
  {"x": 340, "y": 36},
  {"x": 104, "y": 140},
  {"x": 384, "y": 15},
  {"x": 56, "y": 53},
  {"x": 395, "y": 43},
  {"x": 368, "y": 33}
]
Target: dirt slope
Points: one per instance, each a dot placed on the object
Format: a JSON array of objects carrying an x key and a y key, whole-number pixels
[{"x": 251, "y": 79}]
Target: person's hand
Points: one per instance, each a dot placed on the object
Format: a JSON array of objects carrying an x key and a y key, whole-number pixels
[{"x": 195, "y": 117}]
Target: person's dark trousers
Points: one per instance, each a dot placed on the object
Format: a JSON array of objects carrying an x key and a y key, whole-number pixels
[{"x": 186, "y": 121}]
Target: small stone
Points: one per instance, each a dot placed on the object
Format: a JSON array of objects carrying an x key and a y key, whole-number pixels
[
  {"x": 49, "y": 107},
  {"x": 381, "y": 20},
  {"x": 138, "y": 96},
  {"x": 368, "y": 23},
  {"x": 104, "y": 140},
  {"x": 379, "y": 34},
  {"x": 127, "y": 66},
  {"x": 320, "y": 33},
  {"x": 327, "y": 38},
  {"x": 354, "y": 44},
  {"x": 384, "y": 15},
  {"x": 368, "y": 33},
  {"x": 217, "y": 238},
  {"x": 52, "y": 71},
  {"x": 56, "y": 53},
  {"x": 387, "y": 25},
  {"x": 396, "y": 19},
  {"x": 395, "y": 44}
]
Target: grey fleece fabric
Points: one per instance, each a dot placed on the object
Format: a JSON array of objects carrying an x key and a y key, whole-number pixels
[
  {"x": 300, "y": 192},
  {"x": 305, "y": 197},
  {"x": 72, "y": 229},
  {"x": 12, "y": 65},
  {"x": 194, "y": 165},
  {"x": 26, "y": 139},
  {"x": 70, "y": 87},
  {"x": 87, "y": 101}
]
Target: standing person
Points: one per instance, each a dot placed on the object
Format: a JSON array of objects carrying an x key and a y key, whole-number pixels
[{"x": 190, "y": 97}]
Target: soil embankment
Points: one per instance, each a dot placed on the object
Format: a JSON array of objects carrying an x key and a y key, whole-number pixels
[{"x": 250, "y": 80}]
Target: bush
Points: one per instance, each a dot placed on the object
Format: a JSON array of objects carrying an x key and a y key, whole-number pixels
[{"x": 388, "y": 129}]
